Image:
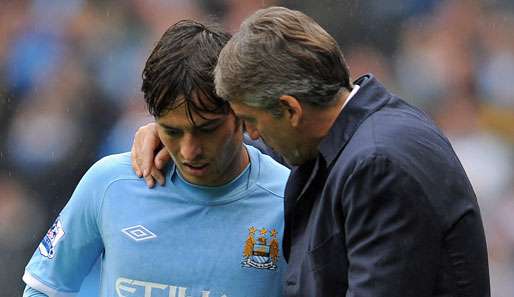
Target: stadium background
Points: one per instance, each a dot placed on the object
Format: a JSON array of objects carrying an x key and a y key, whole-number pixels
[{"x": 70, "y": 76}]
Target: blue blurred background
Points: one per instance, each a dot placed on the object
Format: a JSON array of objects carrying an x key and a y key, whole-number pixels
[{"x": 70, "y": 77}]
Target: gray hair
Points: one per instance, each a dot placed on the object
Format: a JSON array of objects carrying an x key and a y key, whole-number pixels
[{"x": 278, "y": 52}]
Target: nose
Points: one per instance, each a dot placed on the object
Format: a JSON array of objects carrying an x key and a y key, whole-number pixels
[
  {"x": 190, "y": 147},
  {"x": 252, "y": 131}
]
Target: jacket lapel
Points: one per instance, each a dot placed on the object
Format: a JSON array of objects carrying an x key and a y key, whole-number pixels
[{"x": 299, "y": 180}]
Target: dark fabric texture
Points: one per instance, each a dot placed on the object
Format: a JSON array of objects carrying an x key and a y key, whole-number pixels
[{"x": 385, "y": 209}]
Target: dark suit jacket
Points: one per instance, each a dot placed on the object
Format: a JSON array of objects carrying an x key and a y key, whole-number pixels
[{"x": 385, "y": 210}]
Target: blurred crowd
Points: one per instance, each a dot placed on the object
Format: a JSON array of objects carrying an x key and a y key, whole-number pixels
[{"x": 70, "y": 78}]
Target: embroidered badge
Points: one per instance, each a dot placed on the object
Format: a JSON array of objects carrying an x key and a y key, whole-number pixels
[
  {"x": 263, "y": 252},
  {"x": 52, "y": 237}
]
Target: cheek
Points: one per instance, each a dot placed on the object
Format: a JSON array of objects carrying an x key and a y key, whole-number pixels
[
  {"x": 228, "y": 142},
  {"x": 269, "y": 138},
  {"x": 277, "y": 139}
]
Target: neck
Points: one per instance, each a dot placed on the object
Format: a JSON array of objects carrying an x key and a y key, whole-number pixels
[
  {"x": 241, "y": 160},
  {"x": 245, "y": 159},
  {"x": 318, "y": 121}
]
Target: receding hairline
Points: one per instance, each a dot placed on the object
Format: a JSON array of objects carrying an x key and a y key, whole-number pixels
[{"x": 296, "y": 44}]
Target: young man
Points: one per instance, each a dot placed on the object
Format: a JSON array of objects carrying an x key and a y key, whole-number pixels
[
  {"x": 378, "y": 204},
  {"x": 214, "y": 230}
]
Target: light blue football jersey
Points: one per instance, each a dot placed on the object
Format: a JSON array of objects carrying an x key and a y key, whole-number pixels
[{"x": 180, "y": 240}]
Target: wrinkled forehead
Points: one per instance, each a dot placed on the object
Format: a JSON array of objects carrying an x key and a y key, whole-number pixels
[{"x": 244, "y": 111}]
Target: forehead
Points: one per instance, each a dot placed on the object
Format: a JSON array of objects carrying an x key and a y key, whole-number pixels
[
  {"x": 180, "y": 117},
  {"x": 244, "y": 111}
]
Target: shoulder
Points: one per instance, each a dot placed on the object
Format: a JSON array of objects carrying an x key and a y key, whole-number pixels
[
  {"x": 399, "y": 132},
  {"x": 110, "y": 169},
  {"x": 111, "y": 174},
  {"x": 398, "y": 122},
  {"x": 271, "y": 176}
]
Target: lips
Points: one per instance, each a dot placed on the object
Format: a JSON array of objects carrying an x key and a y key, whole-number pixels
[
  {"x": 195, "y": 166},
  {"x": 195, "y": 169}
]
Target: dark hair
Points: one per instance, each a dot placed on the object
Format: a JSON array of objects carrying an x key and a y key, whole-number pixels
[
  {"x": 279, "y": 51},
  {"x": 180, "y": 70}
]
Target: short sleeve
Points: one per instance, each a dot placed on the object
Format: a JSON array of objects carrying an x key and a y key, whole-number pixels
[{"x": 73, "y": 243}]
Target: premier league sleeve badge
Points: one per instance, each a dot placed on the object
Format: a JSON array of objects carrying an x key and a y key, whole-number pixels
[{"x": 52, "y": 237}]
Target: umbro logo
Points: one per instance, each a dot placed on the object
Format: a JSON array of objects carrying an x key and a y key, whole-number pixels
[{"x": 138, "y": 233}]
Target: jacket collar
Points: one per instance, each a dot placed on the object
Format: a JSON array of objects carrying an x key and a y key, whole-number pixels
[{"x": 371, "y": 96}]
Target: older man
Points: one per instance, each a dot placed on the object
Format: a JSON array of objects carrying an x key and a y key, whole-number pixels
[{"x": 379, "y": 204}]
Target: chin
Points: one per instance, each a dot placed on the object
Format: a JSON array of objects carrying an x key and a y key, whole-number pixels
[
  {"x": 294, "y": 161},
  {"x": 295, "y": 158}
]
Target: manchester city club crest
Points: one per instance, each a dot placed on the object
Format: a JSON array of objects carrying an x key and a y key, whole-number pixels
[
  {"x": 261, "y": 253},
  {"x": 52, "y": 237}
]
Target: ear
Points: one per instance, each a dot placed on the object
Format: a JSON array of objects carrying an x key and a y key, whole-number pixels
[{"x": 293, "y": 109}]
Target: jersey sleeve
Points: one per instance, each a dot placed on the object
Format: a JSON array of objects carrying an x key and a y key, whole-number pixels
[
  {"x": 31, "y": 292},
  {"x": 73, "y": 243}
]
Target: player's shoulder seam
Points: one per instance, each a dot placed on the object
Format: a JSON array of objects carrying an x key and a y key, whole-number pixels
[
  {"x": 106, "y": 189},
  {"x": 122, "y": 159},
  {"x": 267, "y": 183},
  {"x": 270, "y": 191},
  {"x": 115, "y": 167}
]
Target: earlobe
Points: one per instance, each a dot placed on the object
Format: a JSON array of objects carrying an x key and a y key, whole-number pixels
[{"x": 293, "y": 109}]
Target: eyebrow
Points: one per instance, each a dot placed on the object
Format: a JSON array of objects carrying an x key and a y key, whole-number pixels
[{"x": 210, "y": 123}]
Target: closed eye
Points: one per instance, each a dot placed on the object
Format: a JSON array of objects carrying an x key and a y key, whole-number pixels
[
  {"x": 207, "y": 129},
  {"x": 173, "y": 132}
]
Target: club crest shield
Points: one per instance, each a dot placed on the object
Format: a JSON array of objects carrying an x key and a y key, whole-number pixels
[
  {"x": 52, "y": 237},
  {"x": 261, "y": 251}
]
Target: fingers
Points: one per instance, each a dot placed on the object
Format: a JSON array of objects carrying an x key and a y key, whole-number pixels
[
  {"x": 154, "y": 175},
  {"x": 158, "y": 176},
  {"x": 162, "y": 158},
  {"x": 150, "y": 142},
  {"x": 150, "y": 182},
  {"x": 137, "y": 145},
  {"x": 135, "y": 166},
  {"x": 160, "y": 161},
  {"x": 144, "y": 161},
  {"x": 135, "y": 161}
]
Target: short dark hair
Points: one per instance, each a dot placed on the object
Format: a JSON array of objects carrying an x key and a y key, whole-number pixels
[
  {"x": 180, "y": 70},
  {"x": 279, "y": 51}
]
